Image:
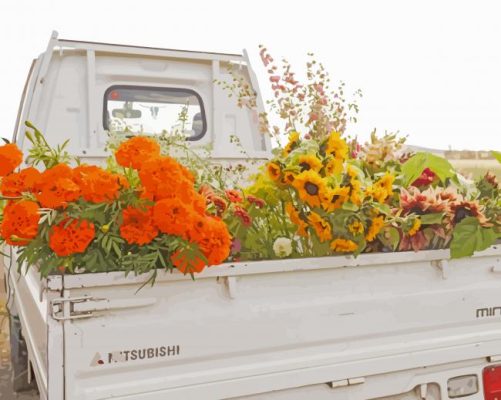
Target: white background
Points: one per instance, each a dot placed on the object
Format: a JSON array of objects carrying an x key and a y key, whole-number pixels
[{"x": 430, "y": 69}]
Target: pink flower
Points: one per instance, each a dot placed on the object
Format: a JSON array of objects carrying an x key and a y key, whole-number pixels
[{"x": 265, "y": 57}]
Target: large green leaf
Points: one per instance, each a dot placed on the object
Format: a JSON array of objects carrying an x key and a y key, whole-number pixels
[
  {"x": 469, "y": 236},
  {"x": 414, "y": 167},
  {"x": 430, "y": 219}
]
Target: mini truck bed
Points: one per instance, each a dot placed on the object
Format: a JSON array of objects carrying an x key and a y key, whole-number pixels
[{"x": 259, "y": 327}]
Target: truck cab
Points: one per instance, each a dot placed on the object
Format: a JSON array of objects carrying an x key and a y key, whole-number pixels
[{"x": 78, "y": 91}]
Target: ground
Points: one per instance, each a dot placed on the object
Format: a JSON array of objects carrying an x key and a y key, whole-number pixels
[{"x": 5, "y": 373}]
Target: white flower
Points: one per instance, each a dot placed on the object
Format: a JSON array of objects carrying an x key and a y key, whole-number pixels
[{"x": 282, "y": 247}]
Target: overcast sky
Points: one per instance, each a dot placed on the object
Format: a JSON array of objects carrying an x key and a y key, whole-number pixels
[{"x": 430, "y": 69}]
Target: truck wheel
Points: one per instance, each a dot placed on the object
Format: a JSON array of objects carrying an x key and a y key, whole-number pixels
[{"x": 19, "y": 358}]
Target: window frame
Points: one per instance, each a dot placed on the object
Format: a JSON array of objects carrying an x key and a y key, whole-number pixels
[{"x": 159, "y": 88}]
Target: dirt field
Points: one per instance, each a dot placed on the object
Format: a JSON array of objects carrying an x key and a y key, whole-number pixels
[{"x": 477, "y": 168}]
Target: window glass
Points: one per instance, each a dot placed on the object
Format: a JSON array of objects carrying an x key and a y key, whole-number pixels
[{"x": 154, "y": 110}]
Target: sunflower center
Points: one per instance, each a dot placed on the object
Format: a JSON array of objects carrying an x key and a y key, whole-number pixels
[
  {"x": 461, "y": 213},
  {"x": 417, "y": 211},
  {"x": 311, "y": 188},
  {"x": 304, "y": 166}
]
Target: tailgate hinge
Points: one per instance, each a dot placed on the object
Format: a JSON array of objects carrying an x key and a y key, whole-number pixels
[{"x": 66, "y": 308}]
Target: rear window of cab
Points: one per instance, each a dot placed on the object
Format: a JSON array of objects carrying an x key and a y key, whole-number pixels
[{"x": 154, "y": 110}]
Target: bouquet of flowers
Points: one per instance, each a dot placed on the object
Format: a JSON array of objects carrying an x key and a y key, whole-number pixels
[{"x": 70, "y": 218}]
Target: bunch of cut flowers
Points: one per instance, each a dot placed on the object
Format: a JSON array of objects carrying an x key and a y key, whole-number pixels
[
  {"x": 325, "y": 193},
  {"x": 142, "y": 215}
]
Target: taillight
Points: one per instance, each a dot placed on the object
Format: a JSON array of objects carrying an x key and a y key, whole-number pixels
[{"x": 492, "y": 382}]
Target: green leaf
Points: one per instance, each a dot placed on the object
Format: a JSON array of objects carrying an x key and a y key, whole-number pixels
[
  {"x": 469, "y": 236},
  {"x": 430, "y": 219},
  {"x": 497, "y": 155},
  {"x": 390, "y": 237},
  {"x": 414, "y": 167}
]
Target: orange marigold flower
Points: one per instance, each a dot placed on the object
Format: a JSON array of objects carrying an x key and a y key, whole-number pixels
[
  {"x": 20, "y": 222},
  {"x": 96, "y": 184},
  {"x": 17, "y": 183},
  {"x": 173, "y": 216},
  {"x": 186, "y": 263},
  {"x": 213, "y": 239},
  {"x": 164, "y": 177},
  {"x": 56, "y": 187},
  {"x": 243, "y": 215},
  {"x": 134, "y": 152},
  {"x": 10, "y": 158},
  {"x": 137, "y": 225},
  {"x": 73, "y": 237},
  {"x": 233, "y": 196}
]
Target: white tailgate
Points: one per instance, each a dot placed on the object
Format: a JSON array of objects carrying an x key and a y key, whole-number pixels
[{"x": 280, "y": 330}]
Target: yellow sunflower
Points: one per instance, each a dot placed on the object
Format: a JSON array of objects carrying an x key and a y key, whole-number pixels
[
  {"x": 381, "y": 189},
  {"x": 343, "y": 245},
  {"x": 309, "y": 162},
  {"x": 356, "y": 192},
  {"x": 334, "y": 166},
  {"x": 292, "y": 144},
  {"x": 310, "y": 187},
  {"x": 321, "y": 226},
  {"x": 288, "y": 177},
  {"x": 415, "y": 227},
  {"x": 274, "y": 170},
  {"x": 356, "y": 227},
  {"x": 336, "y": 146},
  {"x": 352, "y": 172},
  {"x": 375, "y": 227},
  {"x": 335, "y": 198},
  {"x": 296, "y": 219}
]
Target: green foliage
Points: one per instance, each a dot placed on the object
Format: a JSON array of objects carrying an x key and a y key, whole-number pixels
[
  {"x": 414, "y": 167},
  {"x": 433, "y": 218},
  {"x": 469, "y": 236},
  {"x": 42, "y": 153}
]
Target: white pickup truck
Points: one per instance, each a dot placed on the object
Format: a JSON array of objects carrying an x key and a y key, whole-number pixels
[{"x": 390, "y": 325}]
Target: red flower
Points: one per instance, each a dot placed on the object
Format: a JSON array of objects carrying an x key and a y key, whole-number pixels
[
  {"x": 243, "y": 215},
  {"x": 234, "y": 196},
  {"x": 427, "y": 177},
  {"x": 259, "y": 203}
]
